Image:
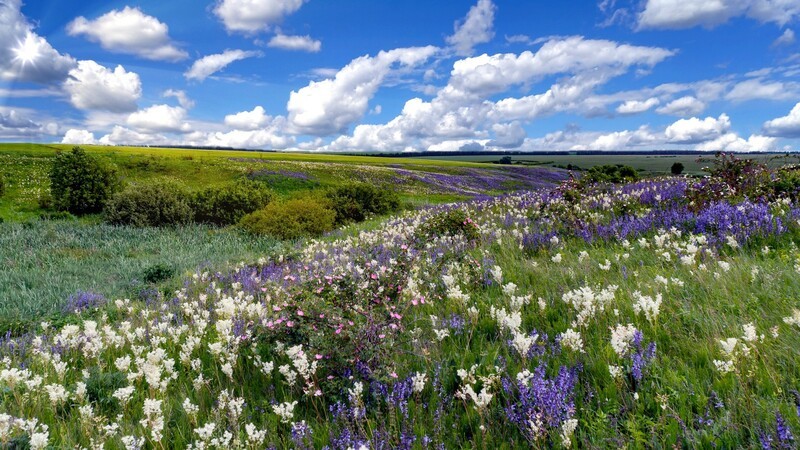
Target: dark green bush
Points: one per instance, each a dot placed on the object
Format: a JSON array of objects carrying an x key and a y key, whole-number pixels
[
  {"x": 81, "y": 183},
  {"x": 450, "y": 223},
  {"x": 610, "y": 173},
  {"x": 56, "y": 215},
  {"x": 149, "y": 205},
  {"x": 677, "y": 168},
  {"x": 227, "y": 205},
  {"x": 291, "y": 219},
  {"x": 158, "y": 273},
  {"x": 2, "y": 185},
  {"x": 358, "y": 201}
]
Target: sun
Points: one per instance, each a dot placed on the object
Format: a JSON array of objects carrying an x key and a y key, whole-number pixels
[{"x": 27, "y": 50}]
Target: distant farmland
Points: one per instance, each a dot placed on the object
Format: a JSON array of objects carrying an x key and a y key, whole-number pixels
[{"x": 649, "y": 163}]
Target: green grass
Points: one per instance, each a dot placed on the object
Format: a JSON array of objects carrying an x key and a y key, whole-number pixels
[
  {"x": 26, "y": 168},
  {"x": 45, "y": 262}
]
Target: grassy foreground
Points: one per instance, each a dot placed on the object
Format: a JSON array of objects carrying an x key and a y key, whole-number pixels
[{"x": 619, "y": 318}]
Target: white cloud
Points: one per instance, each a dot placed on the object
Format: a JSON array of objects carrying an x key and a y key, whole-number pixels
[
  {"x": 24, "y": 55},
  {"x": 181, "y": 96},
  {"x": 507, "y": 135},
  {"x": 261, "y": 139},
  {"x": 694, "y": 130},
  {"x": 787, "y": 126},
  {"x": 621, "y": 140},
  {"x": 758, "y": 89},
  {"x": 331, "y": 105},
  {"x": 250, "y": 16},
  {"x": 208, "y": 65},
  {"x": 676, "y": 14},
  {"x": 637, "y": 106},
  {"x": 463, "y": 111},
  {"x": 682, "y": 107},
  {"x": 160, "y": 119},
  {"x": 297, "y": 43},
  {"x": 92, "y": 86},
  {"x": 249, "y": 120},
  {"x": 129, "y": 31},
  {"x": 787, "y": 38},
  {"x": 123, "y": 136},
  {"x": 78, "y": 137},
  {"x": 477, "y": 28},
  {"x": 731, "y": 142}
]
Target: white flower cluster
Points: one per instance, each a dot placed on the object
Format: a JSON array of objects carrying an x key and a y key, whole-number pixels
[
  {"x": 649, "y": 305},
  {"x": 589, "y": 302}
]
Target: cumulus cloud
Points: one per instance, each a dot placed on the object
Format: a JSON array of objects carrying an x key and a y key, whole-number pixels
[
  {"x": 93, "y": 87},
  {"x": 731, "y": 142},
  {"x": 759, "y": 89},
  {"x": 296, "y": 43},
  {"x": 682, "y": 107},
  {"x": 129, "y": 31},
  {"x": 637, "y": 106},
  {"x": 160, "y": 119},
  {"x": 507, "y": 135},
  {"x": 787, "y": 126},
  {"x": 462, "y": 110},
  {"x": 694, "y": 130},
  {"x": 676, "y": 14},
  {"x": 208, "y": 65},
  {"x": 476, "y": 28},
  {"x": 330, "y": 106},
  {"x": 78, "y": 137},
  {"x": 124, "y": 136},
  {"x": 24, "y": 55},
  {"x": 249, "y": 120},
  {"x": 250, "y": 16},
  {"x": 621, "y": 140},
  {"x": 260, "y": 139}
]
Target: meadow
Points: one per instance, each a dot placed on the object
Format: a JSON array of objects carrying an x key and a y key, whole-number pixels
[{"x": 657, "y": 313}]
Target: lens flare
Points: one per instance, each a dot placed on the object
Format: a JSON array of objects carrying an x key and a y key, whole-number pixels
[{"x": 27, "y": 51}]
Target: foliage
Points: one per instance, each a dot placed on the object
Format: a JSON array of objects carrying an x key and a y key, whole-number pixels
[
  {"x": 677, "y": 168},
  {"x": 150, "y": 205},
  {"x": 730, "y": 178},
  {"x": 226, "y": 205},
  {"x": 787, "y": 183},
  {"x": 81, "y": 183},
  {"x": 454, "y": 222},
  {"x": 610, "y": 173},
  {"x": 504, "y": 160},
  {"x": 291, "y": 219},
  {"x": 2, "y": 184},
  {"x": 356, "y": 202},
  {"x": 157, "y": 273}
]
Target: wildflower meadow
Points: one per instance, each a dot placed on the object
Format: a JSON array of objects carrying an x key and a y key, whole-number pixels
[{"x": 652, "y": 314}]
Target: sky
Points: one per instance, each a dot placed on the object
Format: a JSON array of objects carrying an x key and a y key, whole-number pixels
[{"x": 403, "y": 75}]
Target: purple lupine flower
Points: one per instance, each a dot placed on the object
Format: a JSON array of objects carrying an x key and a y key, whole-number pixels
[
  {"x": 783, "y": 433},
  {"x": 83, "y": 300}
]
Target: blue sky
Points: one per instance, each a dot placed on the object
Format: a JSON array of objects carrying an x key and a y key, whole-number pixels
[{"x": 349, "y": 75}]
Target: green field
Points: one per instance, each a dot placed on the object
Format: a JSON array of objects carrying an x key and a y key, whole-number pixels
[{"x": 649, "y": 164}]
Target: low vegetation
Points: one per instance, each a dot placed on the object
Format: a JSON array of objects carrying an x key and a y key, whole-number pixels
[
  {"x": 81, "y": 183},
  {"x": 291, "y": 219}
]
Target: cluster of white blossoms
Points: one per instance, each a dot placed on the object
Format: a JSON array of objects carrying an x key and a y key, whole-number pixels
[
  {"x": 794, "y": 319},
  {"x": 622, "y": 338},
  {"x": 589, "y": 302},
  {"x": 572, "y": 340},
  {"x": 649, "y": 305},
  {"x": 38, "y": 434},
  {"x": 467, "y": 391}
]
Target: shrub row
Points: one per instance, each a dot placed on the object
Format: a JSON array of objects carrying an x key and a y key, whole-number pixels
[{"x": 167, "y": 204}]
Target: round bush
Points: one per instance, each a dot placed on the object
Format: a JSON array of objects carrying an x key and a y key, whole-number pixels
[
  {"x": 358, "y": 201},
  {"x": 150, "y": 205},
  {"x": 291, "y": 219},
  {"x": 228, "y": 204},
  {"x": 81, "y": 183}
]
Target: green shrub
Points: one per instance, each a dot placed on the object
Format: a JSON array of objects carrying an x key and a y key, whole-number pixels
[
  {"x": 291, "y": 219},
  {"x": 610, "y": 173},
  {"x": 677, "y": 168},
  {"x": 81, "y": 183},
  {"x": 358, "y": 201},
  {"x": 228, "y": 204},
  {"x": 158, "y": 273},
  {"x": 452, "y": 223},
  {"x": 56, "y": 215},
  {"x": 149, "y": 205},
  {"x": 2, "y": 185}
]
